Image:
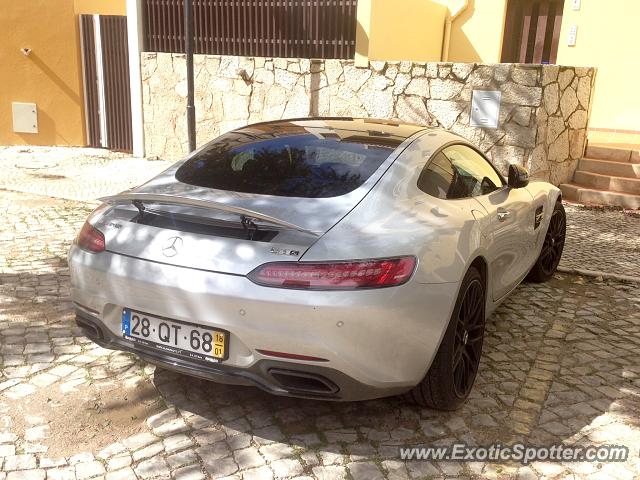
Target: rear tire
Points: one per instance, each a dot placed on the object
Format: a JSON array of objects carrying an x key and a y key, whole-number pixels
[
  {"x": 450, "y": 378},
  {"x": 551, "y": 252}
]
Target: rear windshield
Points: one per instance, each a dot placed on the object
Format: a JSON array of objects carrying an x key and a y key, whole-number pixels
[{"x": 289, "y": 166}]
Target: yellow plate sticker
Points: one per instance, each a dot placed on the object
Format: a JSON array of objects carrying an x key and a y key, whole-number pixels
[{"x": 218, "y": 344}]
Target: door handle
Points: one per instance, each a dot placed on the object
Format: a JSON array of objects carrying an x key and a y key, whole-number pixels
[{"x": 503, "y": 215}]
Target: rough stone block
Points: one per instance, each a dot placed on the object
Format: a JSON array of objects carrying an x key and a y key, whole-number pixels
[
  {"x": 565, "y": 77},
  {"x": 462, "y": 70},
  {"x": 521, "y": 94},
  {"x": 445, "y": 89},
  {"x": 520, "y": 136},
  {"x": 412, "y": 109},
  {"x": 445, "y": 112},
  {"x": 549, "y": 74},
  {"x": 583, "y": 91},
  {"x": 568, "y": 103},
  {"x": 551, "y": 98},
  {"x": 418, "y": 86},
  {"x": 525, "y": 75}
]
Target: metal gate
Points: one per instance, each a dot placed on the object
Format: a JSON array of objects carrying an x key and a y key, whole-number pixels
[
  {"x": 260, "y": 28},
  {"x": 107, "y": 94},
  {"x": 532, "y": 31}
]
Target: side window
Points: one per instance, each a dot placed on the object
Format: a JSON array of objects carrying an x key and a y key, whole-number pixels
[
  {"x": 437, "y": 178},
  {"x": 459, "y": 172},
  {"x": 476, "y": 175}
]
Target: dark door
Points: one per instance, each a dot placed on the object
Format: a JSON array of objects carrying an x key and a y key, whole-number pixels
[
  {"x": 532, "y": 31},
  {"x": 107, "y": 94}
]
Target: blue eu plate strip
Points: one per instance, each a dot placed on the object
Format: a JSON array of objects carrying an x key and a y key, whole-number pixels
[{"x": 126, "y": 321}]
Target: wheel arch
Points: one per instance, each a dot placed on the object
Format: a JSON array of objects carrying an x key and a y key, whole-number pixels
[{"x": 481, "y": 264}]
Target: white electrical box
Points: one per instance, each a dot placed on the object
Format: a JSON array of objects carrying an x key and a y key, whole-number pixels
[
  {"x": 25, "y": 117},
  {"x": 573, "y": 35},
  {"x": 485, "y": 108},
  {"x": 575, "y": 4}
]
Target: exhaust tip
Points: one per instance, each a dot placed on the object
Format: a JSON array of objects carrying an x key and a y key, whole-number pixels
[{"x": 304, "y": 382}]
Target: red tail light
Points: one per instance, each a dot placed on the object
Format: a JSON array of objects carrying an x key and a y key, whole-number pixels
[
  {"x": 91, "y": 239},
  {"x": 335, "y": 275}
]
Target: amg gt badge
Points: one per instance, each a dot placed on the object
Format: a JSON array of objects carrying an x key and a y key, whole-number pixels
[{"x": 285, "y": 251}]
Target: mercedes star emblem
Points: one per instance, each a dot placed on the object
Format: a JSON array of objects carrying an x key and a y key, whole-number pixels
[{"x": 170, "y": 248}]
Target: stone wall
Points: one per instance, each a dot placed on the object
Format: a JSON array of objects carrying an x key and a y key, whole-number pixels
[{"x": 543, "y": 114}]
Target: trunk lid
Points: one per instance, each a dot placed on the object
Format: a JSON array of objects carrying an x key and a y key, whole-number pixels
[{"x": 201, "y": 228}]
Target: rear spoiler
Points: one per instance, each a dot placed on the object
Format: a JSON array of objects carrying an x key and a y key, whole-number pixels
[{"x": 194, "y": 202}]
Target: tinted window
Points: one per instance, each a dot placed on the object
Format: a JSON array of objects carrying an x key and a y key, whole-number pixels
[
  {"x": 476, "y": 175},
  {"x": 459, "y": 172},
  {"x": 436, "y": 179},
  {"x": 302, "y": 165}
]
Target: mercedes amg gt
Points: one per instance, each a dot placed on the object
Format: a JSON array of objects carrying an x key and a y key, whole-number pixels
[{"x": 325, "y": 258}]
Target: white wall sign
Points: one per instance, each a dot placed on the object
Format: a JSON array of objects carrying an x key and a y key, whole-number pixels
[{"x": 485, "y": 108}]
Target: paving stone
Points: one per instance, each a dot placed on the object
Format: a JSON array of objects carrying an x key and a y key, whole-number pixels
[
  {"x": 179, "y": 459},
  {"x": 191, "y": 472},
  {"x": 221, "y": 467},
  {"x": 247, "y": 458},
  {"x": 286, "y": 467},
  {"x": 147, "y": 452},
  {"x": 65, "y": 473},
  {"x": 26, "y": 475},
  {"x": 119, "y": 462},
  {"x": 122, "y": 474},
  {"x": 154, "y": 467},
  {"x": 330, "y": 473},
  {"x": 365, "y": 471},
  {"x": 139, "y": 440},
  {"x": 7, "y": 450},
  {"x": 19, "y": 462},
  {"x": 89, "y": 469}
]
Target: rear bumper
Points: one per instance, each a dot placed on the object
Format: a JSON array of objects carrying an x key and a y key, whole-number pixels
[
  {"x": 272, "y": 376},
  {"x": 377, "y": 342}
]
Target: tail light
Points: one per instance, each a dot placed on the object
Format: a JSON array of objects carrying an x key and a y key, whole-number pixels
[
  {"x": 350, "y": 275},
  {"x": 91, "y": 239}
]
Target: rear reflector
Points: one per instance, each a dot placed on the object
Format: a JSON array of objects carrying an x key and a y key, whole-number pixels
[
  {"x": 91, "y": 239},
  {"x": 292, "y": 356},
  {"x": 351, "y": 275}
]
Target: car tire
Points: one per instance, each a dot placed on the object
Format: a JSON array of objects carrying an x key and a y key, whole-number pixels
[
  {"x": 450, "y": 378},
  {"x": 552, "y": 247}
]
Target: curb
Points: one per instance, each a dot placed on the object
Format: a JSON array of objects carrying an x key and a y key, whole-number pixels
[{"x": 603, "y": 275}]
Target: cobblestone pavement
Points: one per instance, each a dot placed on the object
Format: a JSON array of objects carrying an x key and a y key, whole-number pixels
[
  {"x": 560, "y": 364},
  {"x": 602, "y": 240}
]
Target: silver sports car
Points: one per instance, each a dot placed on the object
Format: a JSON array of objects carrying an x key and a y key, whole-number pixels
[{"x": 328, "y": 258}]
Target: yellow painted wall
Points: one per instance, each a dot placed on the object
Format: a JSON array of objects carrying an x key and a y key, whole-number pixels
[
  {"x": 49, "y": 77},
  {"x": 103, "y": 7},
  {"x": 607, "y": 39},
  {"x": 400, "y": 30},
  {"x": 476, "y": 35},
  {"x": 413, "y": 30}
]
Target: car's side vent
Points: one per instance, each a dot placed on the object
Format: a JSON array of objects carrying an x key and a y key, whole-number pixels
[{"x": 203, "y": 226}]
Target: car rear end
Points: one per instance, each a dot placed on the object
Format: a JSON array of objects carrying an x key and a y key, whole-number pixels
[{"x": 203, "y": 271}]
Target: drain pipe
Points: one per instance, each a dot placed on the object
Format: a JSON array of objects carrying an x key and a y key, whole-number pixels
[
  {"x": 188, "y": 44},
  {"x": 446, "y": 41}
]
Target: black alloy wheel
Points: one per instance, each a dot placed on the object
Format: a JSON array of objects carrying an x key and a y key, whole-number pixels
[
  {"x": 553, "y": 243},
  {"x": 467, "y": 345}
]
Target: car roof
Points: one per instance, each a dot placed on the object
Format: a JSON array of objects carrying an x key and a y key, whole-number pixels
[{"x": 369, "y": 130}]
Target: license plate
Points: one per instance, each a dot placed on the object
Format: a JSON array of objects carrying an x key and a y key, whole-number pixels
[{"x": 174, "y": 336}]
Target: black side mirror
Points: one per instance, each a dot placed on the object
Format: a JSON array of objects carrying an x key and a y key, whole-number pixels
[{"x": 518, "y": 176}]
